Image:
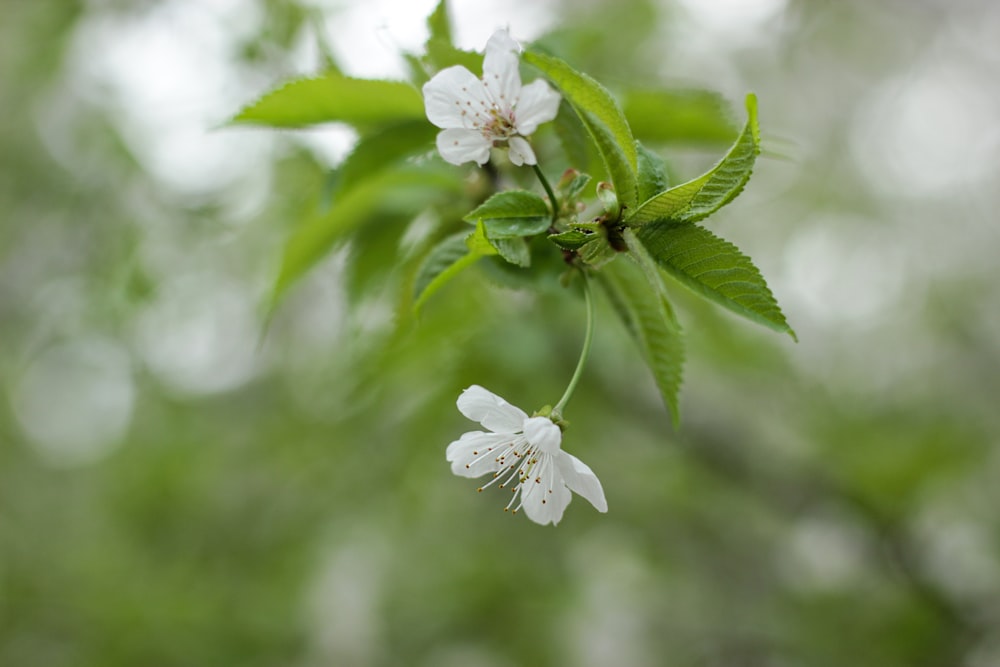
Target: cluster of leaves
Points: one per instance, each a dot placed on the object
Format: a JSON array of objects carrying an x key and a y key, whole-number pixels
[{"x": 636, "y": 212}]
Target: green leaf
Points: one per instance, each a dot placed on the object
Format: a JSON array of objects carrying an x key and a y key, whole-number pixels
[
  {"x": 375, "y": 152},
  {"x": 572, "y": 136},
  {"x": 479, "y": 243},
  {"x": 442, "y": 54},
  {"x": 446, "y": 260},
  {"x": 514, "y": 250},
  {"x": 695, "y": 117},
  {"x": 512, "y": 213},
  {"x": 597, "y": 252},
  {"x": 571, "y": 240},
  {"x": 650, "y": 320},
  {"x": 334, "y": 97},
  {"x": 439, "y": 23},
  {"x": 652, "y": 173},
  {"x": 318, "y": 234},
  {"x": 697, "y": 199},
  {"x": 571, "y": 192},
  {"x": 714, "y": 268},
  {"x": 603, "y": 119},
  {"x": 440, "y": 47}
]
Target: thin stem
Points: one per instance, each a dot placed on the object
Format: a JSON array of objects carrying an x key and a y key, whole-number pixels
[
  {"x": 584, "y": 353},
  {"x": 548, "y": 191}
]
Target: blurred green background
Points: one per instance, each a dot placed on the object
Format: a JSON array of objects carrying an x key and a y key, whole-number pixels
[{"x": 175, "y": 491}]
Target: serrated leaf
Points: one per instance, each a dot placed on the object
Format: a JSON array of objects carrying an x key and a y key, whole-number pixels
[
  {"x": 334, "y": 97},
  {"x": 512, "y": 213},
  {"x": 652, "y": 173},
  {"x": 649, "y": 318},
  {"x": 597, "y": 252},
  {"x": 714, "y": 268},
  {"x": 514, "y": 250},
  {"x": 571, "y": 240},
  {"x": 646, "y": 262},
  {"x": 602, "y": 118},
  {"x": 697, "y": 199},
  {"x": 695, "y": 117},
  {"x": 446, "y": 260},
  {"x": 318, "y": 234}
]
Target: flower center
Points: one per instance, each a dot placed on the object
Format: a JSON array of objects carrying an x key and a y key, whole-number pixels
[
  {"x": 526, "y": 469},
  {"x": 501, "y": 125}
]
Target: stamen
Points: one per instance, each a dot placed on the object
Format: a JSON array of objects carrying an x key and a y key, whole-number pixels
[
  {"x": 479, "y": 457},
  {"x": 510, "y": 477}
]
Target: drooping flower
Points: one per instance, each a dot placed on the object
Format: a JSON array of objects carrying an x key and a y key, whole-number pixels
[
  {"x": 523, "y": 454},
  {"x": 476, "y": 114}
]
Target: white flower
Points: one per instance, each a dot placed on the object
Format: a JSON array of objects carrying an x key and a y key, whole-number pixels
[
  {"x": 523, "y": 454},
  {"x": 477, "y": 114}
]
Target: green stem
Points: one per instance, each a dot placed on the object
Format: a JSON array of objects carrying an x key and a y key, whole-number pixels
[
  {"x": 548, "y": 191},
  {"x": 588, "y": 337}
]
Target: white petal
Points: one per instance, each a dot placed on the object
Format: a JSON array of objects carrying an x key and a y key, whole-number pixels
[
  {"x": 520, "y": 151},
  {"x": 539, "y": 504},
  {"x": 542, "y": 433},
  {"x": 582, "y": 480},
  {"x": 472, "y": 454},
  {"x": 491, "y": 411},
  {"x": 455, "y": 98},
  {"x": 538, "y": 104},
  {"x": 459, "y": 146},
  {"x": 500, "y": 70}
]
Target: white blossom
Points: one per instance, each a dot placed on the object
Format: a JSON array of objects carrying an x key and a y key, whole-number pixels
[
  {"x": 523, "y": 454},
  {"x": 476, "y": 114}
]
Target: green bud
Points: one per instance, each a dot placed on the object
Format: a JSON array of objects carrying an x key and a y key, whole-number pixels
[{"x": 609, "y": 200}]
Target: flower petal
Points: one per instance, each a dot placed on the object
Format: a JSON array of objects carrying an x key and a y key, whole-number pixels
[
  {"x": 543, "y": 503},
  {"x": 456, "y": 98},
  {"x": 491, "y": 411},
  {"x": 501, "y": 76},
  {"x": 581, "y": 479},
  {"x": 459, "y": 146},
  {"x": 538, "y": 104},
  {"x": 542, "y": 433},
  {"x": 520, "y": 151},
  {"x": 471, "y": 455}
]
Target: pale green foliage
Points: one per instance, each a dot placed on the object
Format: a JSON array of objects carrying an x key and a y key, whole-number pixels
[
  {"x": 376, "y": 151},
  {"x": 318, "y": 234},
  {"x": 334, "y": 97},
  {"x": 447, "y": 260},
  {"x": 440, "y": 48},
  {"x": 679, "y": 116}
]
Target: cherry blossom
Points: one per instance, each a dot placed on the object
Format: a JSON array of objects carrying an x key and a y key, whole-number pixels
[
  {"x": 476, "y": 114},
  {"x": 522, "y": 454}
]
